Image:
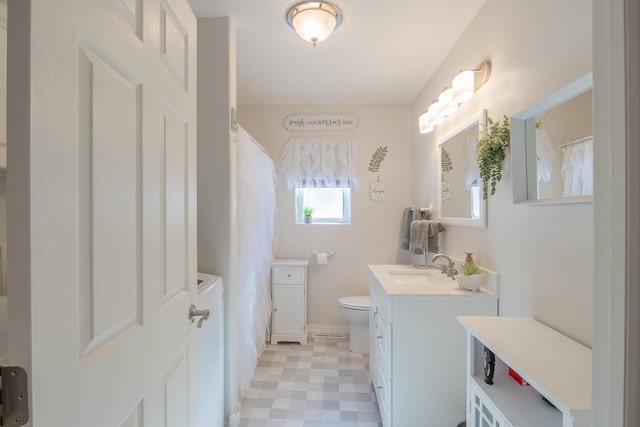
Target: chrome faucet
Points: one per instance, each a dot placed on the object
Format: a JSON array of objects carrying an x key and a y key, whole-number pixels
[{"x": 448, "y": 269}]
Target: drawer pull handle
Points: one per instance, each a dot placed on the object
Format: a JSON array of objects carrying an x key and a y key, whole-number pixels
[
  {"x": 288, "y": 275},
  {"x": 379, "y": 387},
  {"x": 380, "y": 337}
]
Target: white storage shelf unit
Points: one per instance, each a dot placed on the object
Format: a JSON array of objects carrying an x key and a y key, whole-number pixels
[{"x": 555, "y": 366}]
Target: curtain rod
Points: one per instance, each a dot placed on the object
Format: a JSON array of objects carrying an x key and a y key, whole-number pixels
[
  {"x": 252, "y": 139},
  {"x": 262, "y": 148},
  {"x": 577, "y": 141}
]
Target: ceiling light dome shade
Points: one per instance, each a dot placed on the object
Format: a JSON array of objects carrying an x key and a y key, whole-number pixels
[
  {"x": 314, "y": 21},
  {"x": 447, "y": 105},
  {"x": 424, "y": 123},
  {"x": 434, "y": 113},
  {"x": 463, "y": 86}
]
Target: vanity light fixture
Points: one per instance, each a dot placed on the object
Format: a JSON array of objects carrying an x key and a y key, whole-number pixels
[
  {"x": 447, "y": 105},
  {"x": 430, "y": 118},
  {"x": 425, "y": 124},
  {"x": 464, "y": 85},
  {"x": 435, "y": 118},
  {"x": 468, "y": 81},
  {"x": 314, "y": 21}
]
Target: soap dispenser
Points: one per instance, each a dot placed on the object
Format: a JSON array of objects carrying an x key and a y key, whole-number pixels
[{"x": 469, "y": 257}]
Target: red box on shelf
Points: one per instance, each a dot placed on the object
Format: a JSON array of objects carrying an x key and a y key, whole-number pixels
[{"x": 517, "y": 377}]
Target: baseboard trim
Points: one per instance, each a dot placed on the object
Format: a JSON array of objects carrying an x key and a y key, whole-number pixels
[
  {"x": 335, "y": 336},
  {"x": 328, "y": 330},
  {"x": 234, "y": 419}
]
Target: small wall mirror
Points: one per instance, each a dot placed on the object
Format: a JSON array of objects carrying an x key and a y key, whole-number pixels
[
  {"x": 460, "y": 190},
  {"x": 552, "y": 147}
]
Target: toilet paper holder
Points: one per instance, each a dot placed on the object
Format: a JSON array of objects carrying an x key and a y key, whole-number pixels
[{"x": 329, "y": 252}]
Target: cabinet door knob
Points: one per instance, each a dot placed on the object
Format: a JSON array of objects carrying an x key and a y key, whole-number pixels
[
  {"x": 275, "y": 309},
  {"x": 379, "y": 387},
  {"x": 288, "y": 275}
]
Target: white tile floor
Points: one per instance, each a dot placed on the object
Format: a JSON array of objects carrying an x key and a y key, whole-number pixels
[{"x": 321, "y": 384}]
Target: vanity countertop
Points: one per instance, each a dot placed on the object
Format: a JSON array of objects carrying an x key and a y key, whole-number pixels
[{"x": 408, "y": 280}]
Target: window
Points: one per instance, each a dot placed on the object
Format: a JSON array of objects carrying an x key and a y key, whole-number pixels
[
  {"x": 322, "y": 171},
  {"x": 330, "y": 205},
  {"x": 475, "y": 199}
]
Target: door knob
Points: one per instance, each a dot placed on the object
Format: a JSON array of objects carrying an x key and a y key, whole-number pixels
[{"x": 194, "y": 312}]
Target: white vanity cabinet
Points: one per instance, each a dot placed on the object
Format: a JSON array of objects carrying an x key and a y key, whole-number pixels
[
  {"x": 555, "y": 367},
  {"x": 379, "y": 352},
  {"x": 289, "y": 301},
  {"x": 417, "y": 359}
]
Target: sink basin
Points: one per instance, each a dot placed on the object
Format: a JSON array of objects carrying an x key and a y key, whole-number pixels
[
  {"x": 401, "y": 280},
  {"x": 417, "y": 277}
]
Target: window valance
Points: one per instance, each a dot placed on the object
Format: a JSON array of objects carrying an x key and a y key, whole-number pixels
[{"x": 319, "y": 163}]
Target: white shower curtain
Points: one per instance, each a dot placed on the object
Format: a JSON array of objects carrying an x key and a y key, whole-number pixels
[
  {"x": 257, "y": 242},
  {"x": 577, "y": 169}
]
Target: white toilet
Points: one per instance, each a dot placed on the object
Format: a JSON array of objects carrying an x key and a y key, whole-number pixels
[{"x": 356, "y": 310}]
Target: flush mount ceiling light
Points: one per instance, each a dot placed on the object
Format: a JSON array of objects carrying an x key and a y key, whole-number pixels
[{"x": 314, "y": 21}]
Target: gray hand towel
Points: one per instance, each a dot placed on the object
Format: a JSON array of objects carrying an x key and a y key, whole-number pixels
[
  {"x": 425, "y": 236},
  {"x": 419, "y": 236},
  {"x": 433, "y": 241},
  {"x": 406, "y": 228}
]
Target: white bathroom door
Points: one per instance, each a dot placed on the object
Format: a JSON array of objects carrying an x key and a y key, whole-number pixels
[{"x": 102, "y": 217}]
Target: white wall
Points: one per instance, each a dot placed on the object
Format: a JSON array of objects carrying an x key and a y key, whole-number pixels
[
  {"x": 543, "y": 253},
  {"x": 217, "y": 184},
  {"x": 615, "y": 380},
  {"x": 373, "y": 235},
  {"x": 3, "y": 143},
  {"x": 3, "y": 232}
]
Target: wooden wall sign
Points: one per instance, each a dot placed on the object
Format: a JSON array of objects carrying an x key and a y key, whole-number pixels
[{"x": 320, "y": 122}]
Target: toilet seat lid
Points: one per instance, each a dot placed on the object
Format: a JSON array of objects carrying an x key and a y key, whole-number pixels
[{"x": 354, "y": 303}]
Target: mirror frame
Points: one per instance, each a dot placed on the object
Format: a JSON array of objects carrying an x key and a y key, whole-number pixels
[
  {"x": 481, "y": 119},
  {"x": 523, "y": 152}
]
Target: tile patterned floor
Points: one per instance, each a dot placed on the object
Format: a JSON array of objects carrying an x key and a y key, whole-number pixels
[{"x": 321, "y": 384}]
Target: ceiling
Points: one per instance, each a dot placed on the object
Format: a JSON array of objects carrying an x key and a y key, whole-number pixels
[{"x": 383, "y": 53}]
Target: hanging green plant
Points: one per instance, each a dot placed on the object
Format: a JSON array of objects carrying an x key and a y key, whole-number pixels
[
  {"x": 490, "y": 153},
  {"x": 377, "y": 158}
]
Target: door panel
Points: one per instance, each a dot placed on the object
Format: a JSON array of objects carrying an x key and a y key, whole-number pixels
[
  {"x": 175, "y": 142},
  {"x": 173, "y": 43},
  {"x": 176, "y": 393},
  {"x": 109, "y": 168},
  {"x": 104, "y": 214},
  {"x": 130, "y": 12},
  {"x": 135, "y": 418}
]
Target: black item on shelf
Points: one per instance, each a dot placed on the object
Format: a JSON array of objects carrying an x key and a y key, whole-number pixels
[{"x": 489, "y": 366}]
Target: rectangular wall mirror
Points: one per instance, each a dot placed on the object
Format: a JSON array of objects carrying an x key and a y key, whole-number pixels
[
  {"x": 460, "y": 191},
  {"x": 552, "y": 147}
]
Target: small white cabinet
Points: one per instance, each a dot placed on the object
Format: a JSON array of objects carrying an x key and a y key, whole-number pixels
[
  {"x": 289, "y": 301},
  {"x": 556, "y": 368}
]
